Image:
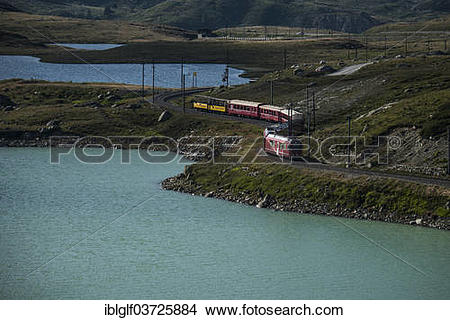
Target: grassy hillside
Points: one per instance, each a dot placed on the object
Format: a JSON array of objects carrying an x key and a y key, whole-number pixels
[
  {"x": 47, "y": 29},
  {"x": 438, "y": 24},
  {"x": 100, "y": 109},
  {"x": 421, "y": 85},
  {"x": 342, "y": 15},
  {"x": 409, "y": 98}
]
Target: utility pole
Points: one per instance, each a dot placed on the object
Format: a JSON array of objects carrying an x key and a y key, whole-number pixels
[
  {"x": 356, "y": 52},
  {"x": 348, "y": 47},
  {"x": 153, "y": 80},
  {"x": 406, "y": 45},
  {"x": 143, "y": 81},
  {"x": 182, "y": 71},
  {"x": 308, "y": 123},
  {"x": 349, "y": 140},
  {"x": 227, "y": 69},
  {"x": 367, "y": 52},
  {"x": 184, "y": 93},
  {"x": 271, "y": 92},
  {"x": 448, "y": 151},
  {"x": 314, "y": 109},
  {"x": 290, "y": 120},
  {"x": 182, "y": 82}
]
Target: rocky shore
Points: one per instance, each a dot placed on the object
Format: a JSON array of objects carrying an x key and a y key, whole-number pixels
[{"x": 184, "y": 183}]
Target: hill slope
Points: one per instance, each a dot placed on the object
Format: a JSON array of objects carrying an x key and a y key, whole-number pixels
[{"x": 341, "y": 15}]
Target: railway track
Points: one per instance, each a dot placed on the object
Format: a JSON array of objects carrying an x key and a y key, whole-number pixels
[{"x": 162, "y": 100}]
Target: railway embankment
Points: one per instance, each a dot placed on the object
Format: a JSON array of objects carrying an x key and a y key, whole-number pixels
[{"x": 304, "y": 191}]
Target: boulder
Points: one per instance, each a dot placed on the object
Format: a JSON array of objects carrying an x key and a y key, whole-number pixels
[
  {"x": 166, "y": 115},
  {"x": 299, "y": 72},
  {"x": 8, "y": 108},
  {"x": 262, "y": 203},
  {"x": 325, "y": 69}
]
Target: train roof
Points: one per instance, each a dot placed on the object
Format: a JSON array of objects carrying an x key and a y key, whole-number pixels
[
  {"x": 245, "y": 103},
  {"x": 270, "y": 107},
  {"x": 294, "y": 113},
  {"x": 278, "y": 137}
]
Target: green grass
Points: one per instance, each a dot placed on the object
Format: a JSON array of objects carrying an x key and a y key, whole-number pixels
[
  {"x": 48, "y": 29},
  {"x": 196, "y": 14},
  {"x": 287, "y": 184},
  {"x": 41, "y": 102},
  {"x": 437, "y": 24},
  {"x": 419, "y": 87}
]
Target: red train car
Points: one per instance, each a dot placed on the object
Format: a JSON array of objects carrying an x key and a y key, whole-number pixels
[
  {"x": 243, "y": 108},
  {"x": 278, "y": 114},
  {"x": 283, "y": 147},
  {"x": 271, "y": 113}
]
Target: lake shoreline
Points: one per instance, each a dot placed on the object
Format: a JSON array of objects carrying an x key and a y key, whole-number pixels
[
  {"x": 165, "y": 75},
  {"x": 184, "y": 183}
]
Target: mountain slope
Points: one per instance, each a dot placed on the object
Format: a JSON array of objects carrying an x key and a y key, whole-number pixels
[{"x": 340, "y": 15}]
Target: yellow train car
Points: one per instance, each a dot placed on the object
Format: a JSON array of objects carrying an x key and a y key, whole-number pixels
[
  {"x": 200, "y": 105},
  {"x": 210, "y": 104},
  {"x": 218, "y": 108}
]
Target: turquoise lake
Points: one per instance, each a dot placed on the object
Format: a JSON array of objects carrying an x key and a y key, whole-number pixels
[{"x": 79, "y": 231}]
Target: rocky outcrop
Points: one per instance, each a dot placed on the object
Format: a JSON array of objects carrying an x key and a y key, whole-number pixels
[{"x": 325, "y": 69}]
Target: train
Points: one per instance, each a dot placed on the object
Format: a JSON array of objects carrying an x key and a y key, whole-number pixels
[
  {"x": 282, "y": 146},
  {"x": 248, "y": 109},
  {"x": 274, "y": 143}
]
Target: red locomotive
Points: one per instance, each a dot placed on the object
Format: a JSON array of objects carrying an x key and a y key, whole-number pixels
[{"x": 281, "y": 146}]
